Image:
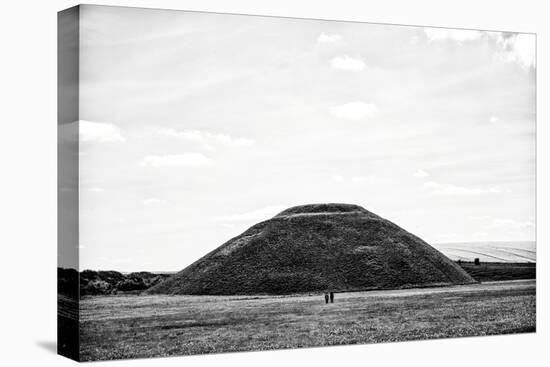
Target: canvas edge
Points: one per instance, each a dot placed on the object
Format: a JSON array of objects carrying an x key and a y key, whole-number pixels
[{"x": 68, "y": 45}]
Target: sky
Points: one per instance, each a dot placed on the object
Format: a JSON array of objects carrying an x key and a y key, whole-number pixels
[{"x": 195, "y": 126}]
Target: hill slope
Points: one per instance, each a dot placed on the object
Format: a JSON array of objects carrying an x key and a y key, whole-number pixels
[{"x": 313, "y": 248}]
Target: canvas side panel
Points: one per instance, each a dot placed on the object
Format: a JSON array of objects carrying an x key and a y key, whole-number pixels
[{"x": 67, "y": 183}]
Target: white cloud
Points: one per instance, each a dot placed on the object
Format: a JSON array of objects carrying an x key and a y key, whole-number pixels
[
  {"x": 328, "y": 38},
  {"x": 503, "y": 222},
  {"x": 479, "y": 217},
  {"x": 354, "y": 111},
  {"x": 420, "y": 173},
  {"x": 122, "y": 261},
  {"x": 176, "y": 160},
  {"x": 337, "y": 178},
  {"x": 480, "y": 235},
  {"x": 442, "y": 189},
  {"x": 347, "y": 63},
  {"x": 254, "y": 215},
  {"x": 99, "y": 132},
  {"x": 493, "y": 119},
  {"x": 444, "y": 34},
  {"x": 516, "y": 47},
  {"x": 514, "y": 228},
  {"x": 206, "y": 138},
  {"x": 365, "y": 179},
  {"x": 358, "y": 179},
  {"x": 447, "y": 237},
  {"x": 519, "y": 48},
  {"x": 153, "y": 201},
  {"x": 510, "y": 223}
]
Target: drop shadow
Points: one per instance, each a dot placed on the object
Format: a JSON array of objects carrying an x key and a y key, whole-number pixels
[{"x": 48, "y": 345}]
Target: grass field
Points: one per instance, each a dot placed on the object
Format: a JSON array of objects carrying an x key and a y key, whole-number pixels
[
  {"x": 492, "y": 271},
  {"x": 149, "y": 326}
]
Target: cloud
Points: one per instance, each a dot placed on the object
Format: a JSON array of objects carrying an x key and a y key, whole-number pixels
[
  {"x": 176, "y": 160},
  {"x": 153, "y": 201},
  {"x": 337, "y": 178},
  {"x": 347, "y": 63},
  {"x": 358, "y": 179},
  {"x": 519, "y": 48},
  {"x": 365, "y": 179},
  {"x": 510, "y": 223},
  {"x": 504, "y": 223},
  {"x": 446, "y": 34},
  {"x": 447, "y": 237},
  {"x": 493, "y": 119},
  {"x": 420, "y": 173},
  {"x": 254, "y": 215},
  {"x": 328, "y": 38},
  {"x": 354, "y": 111},
  {"x": 99, "y": 132},
  {"x": 206, "y": 138},
  {"x": 122, "y": 261},
  {"x": 442, "y": 189},
  {"x": 479, "y": 217},
  {"x": 480, "y": 235}
]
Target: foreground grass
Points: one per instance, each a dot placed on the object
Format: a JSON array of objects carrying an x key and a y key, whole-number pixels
[{"x": 152, "y": 326}]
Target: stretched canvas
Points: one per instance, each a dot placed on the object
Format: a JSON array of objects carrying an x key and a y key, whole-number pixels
[{"x": 235, "y": 183}]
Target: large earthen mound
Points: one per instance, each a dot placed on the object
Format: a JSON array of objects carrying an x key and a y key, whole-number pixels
[{"x": 316, "y": 248}]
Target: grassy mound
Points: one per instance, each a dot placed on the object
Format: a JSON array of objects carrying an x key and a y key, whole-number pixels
[{"x": 315, "y": 248}]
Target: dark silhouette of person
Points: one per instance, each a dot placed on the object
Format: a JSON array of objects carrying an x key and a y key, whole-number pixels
[
  {"x": 326, "y": 297},
  {"x": 331, "y": 297}
]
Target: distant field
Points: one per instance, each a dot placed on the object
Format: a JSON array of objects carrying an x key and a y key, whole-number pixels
[
  {"x": 148, "y": 326},
  {"x": 520, "y": 251},
  {"x": 491, "y": 271}
]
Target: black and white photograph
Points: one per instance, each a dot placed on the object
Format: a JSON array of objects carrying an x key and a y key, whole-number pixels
[{"x": 231, "y": 183}]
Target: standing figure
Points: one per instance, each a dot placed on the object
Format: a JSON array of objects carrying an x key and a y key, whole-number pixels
[
  {"x": 326, "y": 297},
  {"x": 331, "y": 297}
]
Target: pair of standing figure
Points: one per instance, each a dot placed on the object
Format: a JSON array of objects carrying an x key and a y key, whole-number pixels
[{"x": 329, "y": 295}]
